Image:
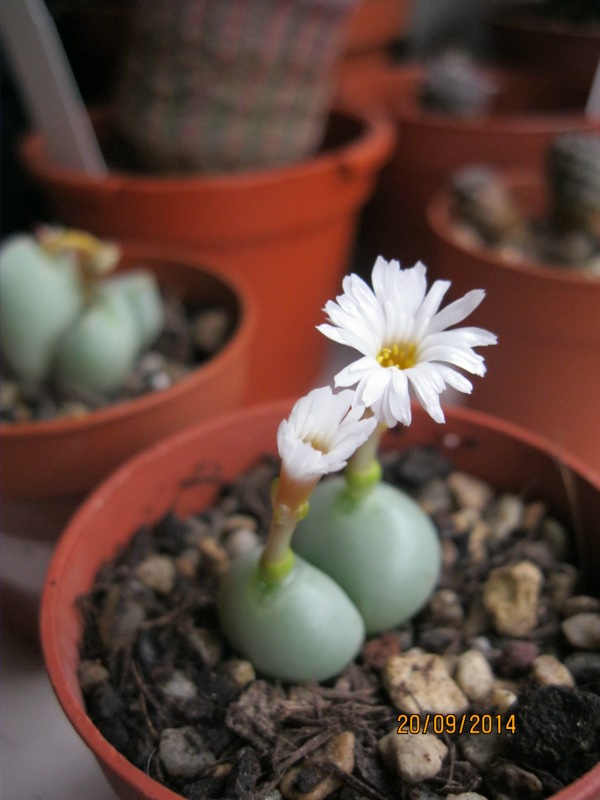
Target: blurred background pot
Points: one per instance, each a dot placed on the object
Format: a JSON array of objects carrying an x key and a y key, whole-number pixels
[
  {"x": 525, "y": 35},
  {"x": 49, "y": 466},
  {"x": 545, "y": 373},
  {"x": 526, "y": 116},
  {"x": 158, "y": 480},
  {"x": 288, "y": 231}
]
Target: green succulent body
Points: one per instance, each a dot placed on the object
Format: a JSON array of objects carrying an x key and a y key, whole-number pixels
[
  {"x": 304, "y": 628},
  {"x": 55, "y": 327},
  {"x": 573, "y": 168},
  {"x": 382, "y": 549}
]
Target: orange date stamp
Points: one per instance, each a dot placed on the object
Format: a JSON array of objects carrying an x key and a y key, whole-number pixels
[{"x": 456, "y": 723}]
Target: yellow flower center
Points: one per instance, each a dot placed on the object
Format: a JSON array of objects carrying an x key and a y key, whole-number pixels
[{"x": 402, "y": 356}]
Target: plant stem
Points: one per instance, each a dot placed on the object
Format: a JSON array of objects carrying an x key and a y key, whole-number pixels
[{"x": 364, "y": 470}]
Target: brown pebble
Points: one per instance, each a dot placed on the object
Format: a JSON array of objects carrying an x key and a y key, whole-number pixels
[
  {"x": 215, "y": 560},
  {"x": 239, "y": 671},
  {"x": 377, "y": 651},
  {"x": 187, "y": 562}
]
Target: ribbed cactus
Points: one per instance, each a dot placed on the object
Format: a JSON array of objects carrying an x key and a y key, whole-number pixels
[
  {"x": 573, "y": 167},
  {"x": 482, "y": 200},
  {"x": 455, "y": 85}
]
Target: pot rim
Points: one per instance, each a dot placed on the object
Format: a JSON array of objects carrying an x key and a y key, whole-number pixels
[
  {"x": 406, "y": 111},
  {"x": 440, "y": 222},
  {"x": 14, "y": 432},
  {"x": 69, "y": 541},
  {"x": 372, "y": 145}
]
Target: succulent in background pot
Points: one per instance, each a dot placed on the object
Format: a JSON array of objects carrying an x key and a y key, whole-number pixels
[
  {"x": 49, "y": 465},
  {"x": 518, "y": 114},
  {"x": 545, "y": 375},
  {"x": 286, "y": 231}
]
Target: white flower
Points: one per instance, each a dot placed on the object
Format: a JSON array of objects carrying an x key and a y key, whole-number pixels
[
  {"x": 403, "y": 338},
  {"x": 321, "y": 433}
]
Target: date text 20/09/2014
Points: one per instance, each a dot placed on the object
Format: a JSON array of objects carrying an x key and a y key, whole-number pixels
[{"x": 456, "y": 723}]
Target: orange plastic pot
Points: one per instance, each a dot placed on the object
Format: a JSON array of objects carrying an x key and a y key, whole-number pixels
[
  {"x": 545, "y": 372},
  {"x": 521, "y": 35},
  {"x": 49, "y": 466},
  {"x": 287, "y": 231},
  {"x": 159, "y": 480},
  {"x": 377, "y": 24},
  {"x": 526, "y": 118}
]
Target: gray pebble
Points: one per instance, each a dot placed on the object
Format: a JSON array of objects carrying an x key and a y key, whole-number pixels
[
  {"x": 183, "y": 752},
  {"x": 91, "y": 673},
  {"x": 209, "y": 329},
  {"x": 515, "y": 782},
  {"x": 445, "y": 608},
  {"x": 505, "y": 515},
  {"x": 157, "y": 573},
  {"x": 470, "y": 492},
  {"x": 480, "y": 750},
  {"x": 584, "y": 667},
  {"x": 581, "y": 604},
  {"x": 241, "y": 541},
  {"x": 583, "y": 631},
  {"x": 179, "y": 687}
]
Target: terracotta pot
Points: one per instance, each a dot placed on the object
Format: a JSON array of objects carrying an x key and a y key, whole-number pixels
[
  {"x": 49, "y": 466},
  {"x": 545, "y": 371},
  {"x": 377, "y": 24},
  {"x": 158, "y": 480},
  {"x": 567, "y": 53},
  {"x": 525, "y": 119},
  {"x": 287, "y": 231}
]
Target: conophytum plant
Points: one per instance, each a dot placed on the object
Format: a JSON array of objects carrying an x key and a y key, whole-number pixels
[
  {"x": 63, "y": 321},
  {"x": 366, "y": 557}
]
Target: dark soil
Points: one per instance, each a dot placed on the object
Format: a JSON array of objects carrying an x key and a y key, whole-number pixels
[{"x": 153, "y": 659}]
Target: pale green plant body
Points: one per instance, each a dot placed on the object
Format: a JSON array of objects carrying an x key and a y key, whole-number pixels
[{"x": 60, "y": 323}]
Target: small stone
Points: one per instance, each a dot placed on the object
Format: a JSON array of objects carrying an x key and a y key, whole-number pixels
[
  {"x": 376, "y": 652},
  {"x": 91, "y": 673},
  {"x": 510, "y": 781},
  {"x": 445, "y": 608},
  {"x": 237, "y": 521},
  {"x": 511, "y": 595},
  {"x": 151, "y": 362},
  {"x": 339, "y": 751},
  {"x": 505, "y": 515},
  {"x": 516, "y": 658},
  {"x": 480, "y": 750},
  {"x": 9, "y": 395},
  {"x": 207, "y": 644},
  {"x": 209, "y": 329},
  {"x": 502, "y": 698},
  {"x": 73, "y": 409},
  {"x": 179, "y": 687},
  {"x": 187, "y": 563},
  {"x": 584, "y": 667},
  {"x": 418, "y": 681},
  {"x": 464, "y": 520},
  {"x": 549, "y": 671},
  {"x": 556, "y": 537},
  {"x": 449, "y": 554},
  {"x": 438, "y": 640},
  {"x": 241, "y": 541},
  {"x": 470, "y": 492},
  {"x": 215, "y": 559},
  {"x": 477, "y": 545},
  {"x": 477, "y": 621},
  {"x": 560, "y": 584},
  {"x": 415, "y": 757},
  {"x": 434, "y": 497},
  {"x": 120, "y": 618},
  {"x": 474, "y": 675},
  {"x": 240, "y": 672},
  {"x": 583, "y": 631},
  {"x": 196, "y": 531},
  {"x": 466, "y": 796},
  {"x": 581, "y": 604},
  {"x": 533, "y": 516},
  {"x": 183, "y": 752},
  {"x": 157, "y": 573}
]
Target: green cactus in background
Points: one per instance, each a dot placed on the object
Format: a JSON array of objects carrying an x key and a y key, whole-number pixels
[
  {"x": 61, "y": 322},
  {"x": 456, "y": 86},
  {"x": 573, "y": 167}
]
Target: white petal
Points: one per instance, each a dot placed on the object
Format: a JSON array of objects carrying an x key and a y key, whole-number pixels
[
  {"x": 427, "y": 390},
  {"x": 456, "y": 311}
]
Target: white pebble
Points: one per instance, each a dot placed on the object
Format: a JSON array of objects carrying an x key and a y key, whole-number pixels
[
  {"x": 418, "y": 681},
  {"x": 583, "y": 631},
  {"x": 474, "y": 675},
  {"x": 157, "y": 573},
  {"x": 415, "y": 756},
  {"x": 549, "y": 671}
]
